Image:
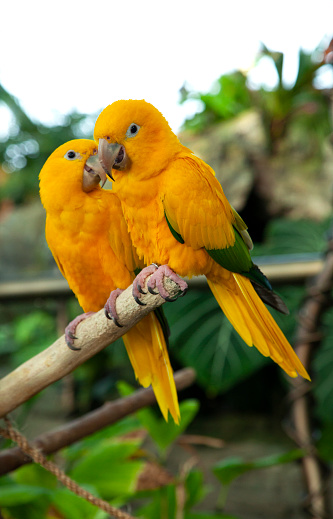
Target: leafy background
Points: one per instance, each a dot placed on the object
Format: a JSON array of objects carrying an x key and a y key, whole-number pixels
[{"x": 237, "y": 389}]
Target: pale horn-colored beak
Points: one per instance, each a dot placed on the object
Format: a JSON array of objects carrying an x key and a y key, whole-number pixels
[
  {"x": 112, "y": 156},
  {"x": 93, "y": 174}
]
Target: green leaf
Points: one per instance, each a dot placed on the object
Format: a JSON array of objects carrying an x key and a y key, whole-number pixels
[
  {"x": 124, "y": 426},
  {"x": 195, "y": 489},
  {"x": 163, "y": 505},
  {"x": 35, "y": 475},
  {"x": 229, "y": 469},
  {"x": 75, "y": 507},
  {"x": 162, "y": 432},
  {"x": 11, "y": 495},
  {"x": 108, "y": 468},
  {"x": 203, "y": 338}
]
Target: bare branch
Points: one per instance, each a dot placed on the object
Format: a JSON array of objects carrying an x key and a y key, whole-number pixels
[
  {"x": 71, "y": 432},
  {"x": 58, "y": 360},
  {"x": 308, "y": 339}
]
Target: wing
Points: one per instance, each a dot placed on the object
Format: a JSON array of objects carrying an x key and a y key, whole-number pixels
[
  {"x": 199, "y": 214},
  {"x": 205, "y": 218}
]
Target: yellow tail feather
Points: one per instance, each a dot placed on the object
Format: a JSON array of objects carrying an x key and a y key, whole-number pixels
[
  {"x": 147, "y": 351},
  {"x": 254, "y": 323}
]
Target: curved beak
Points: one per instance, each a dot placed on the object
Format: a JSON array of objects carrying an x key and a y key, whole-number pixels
[
  {"x": 112, "y": 156},
  {"x": 93, "y": 174}
]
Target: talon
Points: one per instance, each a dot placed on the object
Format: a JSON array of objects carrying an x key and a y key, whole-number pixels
[
  {"x": 137, "y": 300},
  {"x": 170, "y": 299},
  {"x": 110, "y": 307},
  {"x": 116, "y": 322},
  {"x": 72, "y": 347},
  {"x": 156, "y": 282},
  {"x": 140, "y": 289},
  {"x": 107, "y": 315},
  {"x": 70, "y": 330}
]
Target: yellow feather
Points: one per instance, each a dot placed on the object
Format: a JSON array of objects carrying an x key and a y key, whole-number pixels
[
  {"x": 150, "y": 360},
  {"x": 254, "y": 323}
]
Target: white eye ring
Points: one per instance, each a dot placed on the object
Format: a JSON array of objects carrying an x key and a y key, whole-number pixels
[
  {"x": 71, "y": 155},
  {"x": 132, "y": 130}
]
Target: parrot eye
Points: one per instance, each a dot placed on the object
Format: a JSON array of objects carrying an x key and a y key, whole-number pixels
[
  {"x": 132, "y": 130},
  {"x": 71, "y": 155}
]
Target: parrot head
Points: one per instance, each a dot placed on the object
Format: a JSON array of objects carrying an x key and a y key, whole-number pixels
[
  {"x": 134, "y": 138},
  {"x": 74, "y": 163}
]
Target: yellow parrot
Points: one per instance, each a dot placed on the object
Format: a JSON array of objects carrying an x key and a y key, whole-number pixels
[
  {"x": 88, "y": 238},
  {"x": 179, "y": 218}
]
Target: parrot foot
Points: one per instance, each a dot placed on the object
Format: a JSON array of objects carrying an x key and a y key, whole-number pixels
[
  {"x": 71, "y": 327},
  {"x": 139, "y": 282},
  {"x": 110, "y": 307},
  {"x": 156, "y": 281}
]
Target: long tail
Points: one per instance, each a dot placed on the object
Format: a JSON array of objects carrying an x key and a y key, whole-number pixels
[
  {"x": 147, "y": 351},
  {"x": 252, "y": 320}
]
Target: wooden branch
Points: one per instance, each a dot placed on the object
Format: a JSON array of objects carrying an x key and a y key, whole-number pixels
[
  {"x": 71, "y": 432},
  {"x": 307, "y": 340},
  {"x": 58, "y": 360}
]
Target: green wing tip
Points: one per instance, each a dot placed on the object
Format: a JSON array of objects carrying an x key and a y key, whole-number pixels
[{"x": 174, "y": 233}]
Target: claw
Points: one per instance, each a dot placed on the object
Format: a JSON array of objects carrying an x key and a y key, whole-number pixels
[
  {"x": 137, "y": 300},
  {"x": 71, "y": 346},
  {"x": 110, "y": 307},
  {"x": 140, "y": 281},
  {"x": 183, "y": 292},
  {"x": 156, "y": 282},
  {"x": 140, "y": 289},
  {"x": 70, "y": 330},
  {"x": 116, "y": 322},
  {"x": 170, "y": 299},
  {"x": 107, "y": 315}
]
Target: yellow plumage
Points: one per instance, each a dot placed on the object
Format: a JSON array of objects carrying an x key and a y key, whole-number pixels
[
  {"x": 176, "y": 211},
  {"x": 89, "y": 240}
]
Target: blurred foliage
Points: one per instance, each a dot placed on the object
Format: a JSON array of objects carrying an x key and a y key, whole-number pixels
[
  {"x": 28, "y": 144},
  {"x": 107, "y": 463},
  {"x": 121, "y": 465},
  {"x": 301, "y": 106}
]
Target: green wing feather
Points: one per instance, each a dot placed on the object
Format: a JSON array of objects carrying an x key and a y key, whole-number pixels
[
  {"x": 236, "y": 258},
  {"x": 174, "y": 233}
]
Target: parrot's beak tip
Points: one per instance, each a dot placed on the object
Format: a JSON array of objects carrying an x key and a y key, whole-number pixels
[{"x": 106, "y": 171}]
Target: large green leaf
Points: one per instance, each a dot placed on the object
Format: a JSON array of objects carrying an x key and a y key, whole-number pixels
[
  {"x": 203, "y": 338},
  {"x": 163, "y": 504},
  {"x": 163, "y": 433},
  {"x": 35, "y": 475},
  {"x": 293, "y": 237},
  {"x": 109, "y": 469},
  {"x": 195, "y": 488},
  {"x": 15, "y": 494},
  {"x": 72, "y": 506},
  {"x": 124, "y": 426},
  {"x": 231, "y": 468}
]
